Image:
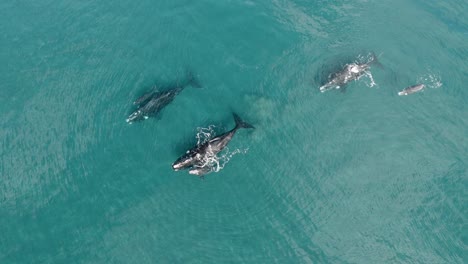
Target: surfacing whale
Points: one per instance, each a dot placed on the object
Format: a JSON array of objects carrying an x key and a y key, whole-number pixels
[
  {"x": 350, "y": 72},
  {"x": 196, "y": 159},
  {"x": 412, "y": 89}
]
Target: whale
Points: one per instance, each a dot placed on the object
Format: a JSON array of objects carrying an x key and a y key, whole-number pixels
[
  {"x": 412, "y": 89},
  {"x": 151, "y": 103},
  {"x": 350, "y": 72},
  {"x": 195, "y": 158},
  {"x": 200, "y": 171}
]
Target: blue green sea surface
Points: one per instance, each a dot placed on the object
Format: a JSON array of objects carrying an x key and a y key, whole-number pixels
[{"x": 361, "y": 176}]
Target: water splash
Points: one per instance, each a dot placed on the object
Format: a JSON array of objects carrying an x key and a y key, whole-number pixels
[
  {"x": 212, "y": 162},
  {"x": 367, "y": 58},
  {"x": 371, "y": 82},
  {"x": 204, "y": 134},
  {"x": 431, "y": 80},
  {"x": 227, "y": 155}
]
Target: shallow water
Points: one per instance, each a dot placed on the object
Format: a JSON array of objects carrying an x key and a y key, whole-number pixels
[{"x": 364, "y": 176}]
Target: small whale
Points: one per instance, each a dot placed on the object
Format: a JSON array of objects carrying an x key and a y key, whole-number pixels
[
  {"x": 200, "y": 171},
  {"x": 195, "y": 158},
  {"x": 350, "y": 72},
  {"x": 412, "y": 89},
  {"x": 144, "y": 98},
  {"x": 151, "y": 103}
]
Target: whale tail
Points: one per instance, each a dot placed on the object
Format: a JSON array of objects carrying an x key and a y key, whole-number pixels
[
  {"x": 375, "y": 61},
  {"x": 192, "y": 80},
  {"x": 240, "y": 123}
]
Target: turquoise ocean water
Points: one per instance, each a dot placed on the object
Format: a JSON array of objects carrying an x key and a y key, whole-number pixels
[{"x": 364, "y": 176}]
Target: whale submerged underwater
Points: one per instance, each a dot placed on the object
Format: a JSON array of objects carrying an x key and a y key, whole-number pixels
[{"x": 151, "y": 103}]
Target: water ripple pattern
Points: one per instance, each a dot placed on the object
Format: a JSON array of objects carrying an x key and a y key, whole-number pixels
[{"x": 361, "y": 176}]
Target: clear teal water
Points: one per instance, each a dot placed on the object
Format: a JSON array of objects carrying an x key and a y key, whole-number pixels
[{"x": 364, "y": 176}]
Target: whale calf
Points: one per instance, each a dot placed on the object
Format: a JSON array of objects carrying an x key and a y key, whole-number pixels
[
  {"x": 195, "y": 158},
  {"x": 412, "y": 89},
  {"x": 200, "y": 171},
  {"x": 151, "y": 103},
  {"x": 144, "y": 98},
  {"x": 350, "y": 72}
]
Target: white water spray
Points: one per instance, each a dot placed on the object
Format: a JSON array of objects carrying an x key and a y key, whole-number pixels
[{"x": 212, "y": 162}]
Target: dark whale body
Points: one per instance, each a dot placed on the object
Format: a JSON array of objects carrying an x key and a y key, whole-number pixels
[
  {"x": 194, "y": 158},
  {"x": 150, "y": 104}
]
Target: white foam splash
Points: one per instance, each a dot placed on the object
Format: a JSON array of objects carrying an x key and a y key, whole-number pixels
[
  {"x": 210, "y": 161},
  {"x": 367, "y": 58},
  {"x": 372, "y": 82},
  {"x": 431, "y": 80},
  {"x": 204, "y": 134},
  {"x": 225, "y": 157}
]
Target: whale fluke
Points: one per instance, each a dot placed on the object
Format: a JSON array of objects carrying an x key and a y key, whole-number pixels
[
  {"x": 375, "y": 61},
  {"x": 240, "y": 123},
  {"x": 192, "y": 80}
]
